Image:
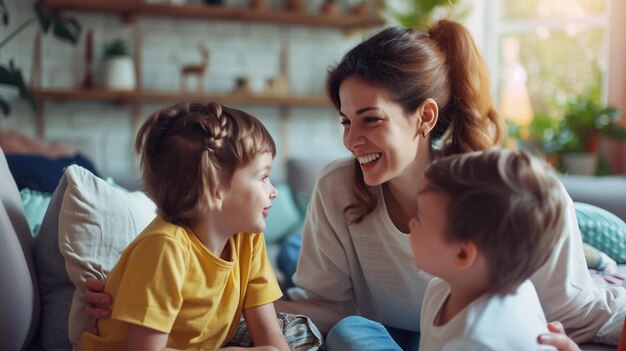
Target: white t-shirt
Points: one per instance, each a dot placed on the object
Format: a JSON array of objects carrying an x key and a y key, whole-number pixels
[
  {"x": 368, "y": 269},
  {"x": 510, "y": 322}
]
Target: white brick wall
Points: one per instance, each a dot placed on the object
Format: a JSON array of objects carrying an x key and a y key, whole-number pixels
[{"x": 105, "y": 131}]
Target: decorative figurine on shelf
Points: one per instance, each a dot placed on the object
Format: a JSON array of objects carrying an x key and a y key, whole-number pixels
[
  {"x": 242, "y": 86},
  {"x": 197, "y": 70},
  {"x": 330, "y": 8},
  {"x": 294, "y": 5},
  {"x": 360, "y": 9},
  {"x": 276, "y": 86},
  {"x": 88, "y": 78},
  {"x": 214, "y": 2},
  {"x": 258, "y": 5}
]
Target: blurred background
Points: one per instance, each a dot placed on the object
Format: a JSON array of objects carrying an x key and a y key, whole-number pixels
[{"x": 83, "y": 74}]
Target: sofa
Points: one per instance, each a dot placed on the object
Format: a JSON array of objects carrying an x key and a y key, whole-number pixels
[{"x": 33, "y": 320}]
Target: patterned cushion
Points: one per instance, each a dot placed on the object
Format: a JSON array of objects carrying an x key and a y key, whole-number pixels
[
  {"x": 602, "y": 230},
  {"x": 300, "y": 332},
  {"x": 598, "y": 260}
]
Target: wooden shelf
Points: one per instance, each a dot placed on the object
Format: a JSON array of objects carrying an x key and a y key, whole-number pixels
[
  {"x": 131, "y": 9},
  {"x": 129, "y": 97}
]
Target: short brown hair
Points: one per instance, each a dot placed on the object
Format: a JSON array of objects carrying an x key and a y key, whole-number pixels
[
  {"x": 509, "y": 203},
  {"x": 190, "y": 149}
]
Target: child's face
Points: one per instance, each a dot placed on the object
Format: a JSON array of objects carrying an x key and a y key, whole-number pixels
[
  {"x": 432, "y": 252},
  {"x": 247, "y": 202}
]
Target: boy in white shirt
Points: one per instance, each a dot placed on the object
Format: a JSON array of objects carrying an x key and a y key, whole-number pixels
[{"x": 486, "y": 221}]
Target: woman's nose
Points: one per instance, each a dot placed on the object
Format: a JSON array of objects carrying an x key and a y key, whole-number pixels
[{"x": 353, "y": 138}]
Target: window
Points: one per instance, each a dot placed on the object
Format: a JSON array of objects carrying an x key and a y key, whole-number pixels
[{"x": 555, "y": 48}]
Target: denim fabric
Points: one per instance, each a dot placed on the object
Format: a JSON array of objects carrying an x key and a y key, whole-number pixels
[
  {"x": 359, "y": 333},
  {"x": 288, "y": 257}
]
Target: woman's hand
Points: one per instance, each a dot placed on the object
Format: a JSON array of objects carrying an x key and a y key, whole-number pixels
[
  {"x": 557, "y": 338},
  {"x": 98, "y": 303}
]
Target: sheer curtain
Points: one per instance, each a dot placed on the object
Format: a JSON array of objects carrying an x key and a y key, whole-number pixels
[{"x": 616, "y": 152}]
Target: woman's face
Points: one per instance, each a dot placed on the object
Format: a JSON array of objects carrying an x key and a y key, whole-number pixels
[{"x": 377, "y": 132}]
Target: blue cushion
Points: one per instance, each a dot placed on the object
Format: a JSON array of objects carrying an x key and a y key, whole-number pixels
[
  {"x": 41, "y": 173},
  {"x": 602, "y": 230},
  {"x": 35, "y": 205},
  {"x": 283, "y": 217}
]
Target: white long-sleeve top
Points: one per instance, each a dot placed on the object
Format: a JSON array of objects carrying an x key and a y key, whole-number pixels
[{"x": 368, "y": 268}]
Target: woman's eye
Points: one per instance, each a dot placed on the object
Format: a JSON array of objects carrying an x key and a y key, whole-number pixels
[
  {"x": 344, "y": 122},
  {"x": 370, "y": 120}
]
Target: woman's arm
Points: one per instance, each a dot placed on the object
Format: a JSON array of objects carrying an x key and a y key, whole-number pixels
[
  {"x": 324, "y": 271},
  {"x": 263, "y": 327},
  {"x": 568, "y": 294}
]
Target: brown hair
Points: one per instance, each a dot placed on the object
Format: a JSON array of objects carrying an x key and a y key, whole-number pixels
[
  {"x": 190, "y": 149},
  {"x": 443, "y": 64},
  {"x": 510, "y": 204}
]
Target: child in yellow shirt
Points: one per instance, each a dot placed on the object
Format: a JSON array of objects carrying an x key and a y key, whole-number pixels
[{"x": 185, "y": 280}]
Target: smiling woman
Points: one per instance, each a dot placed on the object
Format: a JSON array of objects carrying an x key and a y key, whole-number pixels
[{"x": 406, "y": 98}]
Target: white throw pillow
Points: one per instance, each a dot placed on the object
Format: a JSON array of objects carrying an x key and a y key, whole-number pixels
[{"x": 96, "y": 223}]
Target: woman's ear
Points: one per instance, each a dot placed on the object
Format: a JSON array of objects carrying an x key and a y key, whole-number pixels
[
  {"x": 466, "y": 255},
  {"x": 428, "y": 112}
]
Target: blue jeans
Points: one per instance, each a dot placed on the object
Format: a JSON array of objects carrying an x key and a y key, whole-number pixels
[
  {"x": 288, "y": 257},
  {"x": 359, "y": 333}
]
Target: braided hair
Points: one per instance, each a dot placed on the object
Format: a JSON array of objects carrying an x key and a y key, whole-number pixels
[{"x": 189, "y": 150}]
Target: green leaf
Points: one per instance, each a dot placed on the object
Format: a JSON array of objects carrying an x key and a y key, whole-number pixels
[
  {"x": 417, "y": 13},
  {"x": 45, "y": 20},
  {"x": 5, "y": 13},
  {"x": 12, "y": 76},
  {"x": 65, "y": 29},
  {"x": 4, "y": 106},
  {"x": 68, "y": 30}
]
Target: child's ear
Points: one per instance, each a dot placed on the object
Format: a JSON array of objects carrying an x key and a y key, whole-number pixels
[
  {"x": 466, "y": 255},
  {"x": 218, "y": 198}
]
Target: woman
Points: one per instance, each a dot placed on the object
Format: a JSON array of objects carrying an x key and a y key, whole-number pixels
[{"x": 406, "y": 98}]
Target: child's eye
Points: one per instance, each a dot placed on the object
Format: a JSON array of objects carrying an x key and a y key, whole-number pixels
[{"x": 265, "y": 178}]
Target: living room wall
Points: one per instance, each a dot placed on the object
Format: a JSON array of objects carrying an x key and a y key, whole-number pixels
[{"x": 105, "y": 131}]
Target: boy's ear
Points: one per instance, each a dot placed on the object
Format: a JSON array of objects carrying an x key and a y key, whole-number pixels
[
  {"x": 466, "y": 255},
  {"x": 429, "y": 113}
]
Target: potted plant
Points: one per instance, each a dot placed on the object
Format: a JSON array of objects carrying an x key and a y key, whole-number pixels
[
  {"x": 67, "y": 29},
  {"x": 119, "y": 70},
  {"x": 585, "y": 122},
  {"x": 538, "y": 137},
  {"x": 419, "y": 13}
]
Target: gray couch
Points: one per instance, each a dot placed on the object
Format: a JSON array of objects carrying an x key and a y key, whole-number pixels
[{"x": 19, "y": 295}]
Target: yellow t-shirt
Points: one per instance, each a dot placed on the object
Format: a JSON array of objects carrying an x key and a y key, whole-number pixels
[{"x": 169, "y": 281}]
